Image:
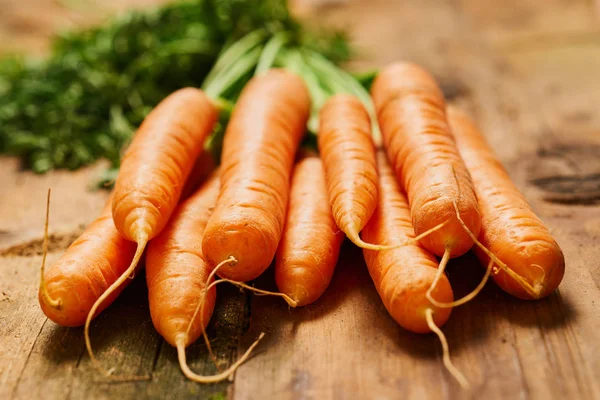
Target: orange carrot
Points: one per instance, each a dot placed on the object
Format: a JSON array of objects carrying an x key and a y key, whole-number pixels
[
  {"x": 510, "y": 229},
  {"x": 309, "y": 248},
  {"x": 412, "y": 116},
  {"x": 404, "y": 275},
  {"x": 181, "y": 284},
  {"x": 348, "y": 155},
  {"x": 411, "y": 112},
  {"x": 153, "y": 173},
  {"x": 176, "y": 271},
  {"x": 264, "y": 131},
  {"x": 70, "y": 287},
  {"x": 158, "y": 162}
]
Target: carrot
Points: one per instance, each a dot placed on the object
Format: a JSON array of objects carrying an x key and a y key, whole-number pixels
[
  {"x": 158, "y": 162},
  {"x": 403, "y": 275},
  {"x": 70, "y": 287},
  {"x": 177, "y": 276},
  {"x": 153, "y": 173},
  {"x": 264, "y": 131},
  {"x": 310, "y": 246},
  {"x": 176, "y": 271},
  {"x": 411, "y": 113},
  {"x": 510, "y": 229},
  {"x": 412, "y": 116},
  {"x": 348, "y": 155}
]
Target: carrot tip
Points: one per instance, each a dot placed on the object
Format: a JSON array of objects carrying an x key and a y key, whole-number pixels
[
  {"x": 54, "y": 303},
  {"x": 217, "y": 377},
  {"x": 469, "y": 296},
  {"x": 438, "y": 275},
  {"x": 86, "y": 330},
  {"x": 355, "y": 238},
  {"x": 232, "y": 260},
  {"x": 455, "y": 372},
  {"x": 534, "y": 290},
  {"x": 258, "y": 292}
]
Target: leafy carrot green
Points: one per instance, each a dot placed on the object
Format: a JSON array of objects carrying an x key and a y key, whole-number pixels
[{"x": 86, "y": 99}]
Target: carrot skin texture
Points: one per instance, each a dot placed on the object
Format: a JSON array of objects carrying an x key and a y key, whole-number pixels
[
  {"x": 402, "y": 275},
  {"x": 176, "y": 271},
  {"x": 348, "y": 154},
  {"x": 89, "y": 266},
  {"x": 411, "y": 112},
  {"x": 158, "y": 162},
  {"x": 264, "y": 132},
  {"x": 310, "y": 246},
  {"x": 510, "y": 228}
]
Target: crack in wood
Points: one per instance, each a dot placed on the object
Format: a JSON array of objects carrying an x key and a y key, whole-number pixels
[
  {"x": 453, "y": 88},
  {"x": 568, "y": 174},
  {"x": 573, "y": 189},
  {"x": 27, "y": 359},
  {"x": 35, "y": 247}
]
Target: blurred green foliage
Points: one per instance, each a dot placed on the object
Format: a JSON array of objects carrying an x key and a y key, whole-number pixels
[{"x": 86, "y": 99}]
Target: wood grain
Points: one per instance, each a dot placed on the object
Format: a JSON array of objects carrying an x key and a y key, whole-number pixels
[{"x": 527, "y": 70}]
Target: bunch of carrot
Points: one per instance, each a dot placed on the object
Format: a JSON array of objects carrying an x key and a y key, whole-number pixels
[{"x": 432, "y": 188}]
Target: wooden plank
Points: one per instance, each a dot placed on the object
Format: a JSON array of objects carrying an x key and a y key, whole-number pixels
[
  {"x": 508, "y": 348},
  {"x": 346, "y": 346},
  {"x": 525, "y": 24},
  {"x": 20, "y": 318},
  {"x": 229, "y": 324},
  {"x": 43, "y": 360},
  {"x": 30, "y": 25},
  {"x": 22, "y": 213}
]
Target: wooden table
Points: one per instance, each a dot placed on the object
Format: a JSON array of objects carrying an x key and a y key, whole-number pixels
[{"x": 529, "y": 71}]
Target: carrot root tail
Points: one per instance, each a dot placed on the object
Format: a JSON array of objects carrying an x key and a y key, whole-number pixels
[
  {"x": 54, "y": 303},
  {"x": 436, "y": 279},
  {"x": 259, "y": 292},
  {"x": 217, "y": 377},
  {"x": 355, "y": 238},
  {"x": 230, "y": 260},
  {"x": 86, "y": 331},
  {"x": 455, "y": 372},
  {"x": 534, "y": 290},
  {"x": 469, "y": 296}
]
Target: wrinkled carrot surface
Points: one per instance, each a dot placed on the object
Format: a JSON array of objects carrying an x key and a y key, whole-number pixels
[
  {"x": 411, "y": 112},
  {"x": 348, "y": 155},
  {"x": 89, "y": 266},
  {"x": 176, "y": 272},
  {"x": 265, "y": 129},
  {"x": 158, "y": 161},
  {"x": 510, "y": 228},
  {"x": 402, "y": 275},
  {"x": 310, "y": 246},
  {"x": 153, "y": 173}
]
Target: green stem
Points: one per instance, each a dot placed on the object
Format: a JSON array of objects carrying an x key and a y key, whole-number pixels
[
  {"x": 224, "y": 105},
  {"x": 270, "y": 52},
  {"x": 366, "y": 78},
  {"x": 233, "y": 53},
  {"x": 293, "y": 60},
  {"x": 344, "y": 82},
  {"x": 223, "y": 82}
]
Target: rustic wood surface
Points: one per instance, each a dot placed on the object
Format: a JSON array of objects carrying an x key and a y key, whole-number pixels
[{"x": 527, "y": 70}]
